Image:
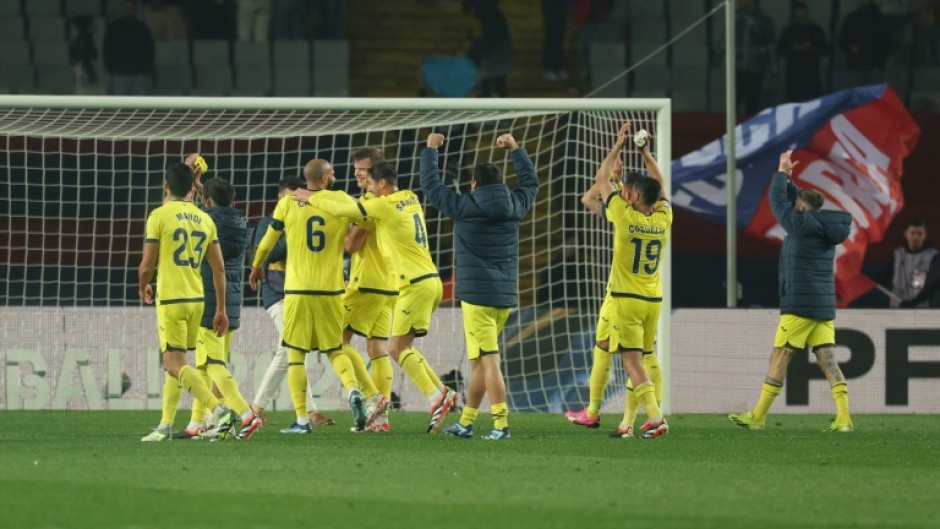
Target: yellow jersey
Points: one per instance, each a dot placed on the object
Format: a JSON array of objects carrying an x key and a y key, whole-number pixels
[
  {"x": 184, "y": 233},
  {"x": 315, "y": 241},
  {"x": 368, "y": 270},
  {"x": 639, "y": 240},
  {"x": 402, "y": 235}
]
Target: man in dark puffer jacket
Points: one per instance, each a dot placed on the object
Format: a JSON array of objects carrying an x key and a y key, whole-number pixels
[
  {"x": 486, "y": 223},
  {"x": 212, "y": 351},
  {"x": 807, "y": 293}
]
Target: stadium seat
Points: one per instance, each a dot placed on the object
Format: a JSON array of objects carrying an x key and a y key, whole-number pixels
[
  {"x": 9, "y": 7},
  {"x": 15, "y": 53},
  {"x": 172, "y": 80},
  {"x": 47, "y": 28},
  {"x": 82, "y": 7},
  {"x": 55, "y": 80},
  {"x": 331, "y": 68},
  {"x": 779, "y": 11},
  {"x": 171, "y": 53},
  {"x": 211, "y": 53},
  {"x": 42, "y": 8},
  {"x": 690, "y": 77},
  {"x": 607, "y": 61},
  {"x": 691, "y": 49},
  {"x": 291, "y": 53},
  {"x": 12, "y": 28},
  {"x": 253, "y": 80},
  {"x": 652, "y": 79},
  {"x": 689, "y": 100},
  {"x": 213, "y": 81},
  {"x": 291, "y": 81},
  {"x": 251, "y": 53},
  {"x": 17, "y": 79},
  {"x": 51, "y": 53}
]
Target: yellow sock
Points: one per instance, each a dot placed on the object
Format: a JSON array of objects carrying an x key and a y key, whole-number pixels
[
  {"x": 646, "y": 395},
  {"x": 651, "y": 365},
  {"x": 436, "y": 380},
  {"x": 767, "y": 395},
  {"x": 199, "y": 411},
  {"x": 412, "y": 363},
  {"x": 468, "y": 416},
  {"x": 344, "y": 369},
  {"x": 193, "y": 383},
  {"x": 226, "y": 383},
  {"x": 363, "y": 378},
  {"x": 840, "y": 393},
  {"x": 633, "y": 405},
  {"x": 297, "y": 383},
  {"x": 382, "y": 375},
  {"x": 500, "y": 415},
  {"x": 171, "y": 398},
  {"x": 600, "y": 374}
]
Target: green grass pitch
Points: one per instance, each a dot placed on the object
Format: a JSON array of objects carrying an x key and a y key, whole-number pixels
[{"x": 89, "y": 469}]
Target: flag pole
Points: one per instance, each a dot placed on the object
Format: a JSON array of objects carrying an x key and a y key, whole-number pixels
[{"x": 731, "y": 277}]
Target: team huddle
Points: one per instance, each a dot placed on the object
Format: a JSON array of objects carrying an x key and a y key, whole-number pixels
[{"x": 394, "y": 289}]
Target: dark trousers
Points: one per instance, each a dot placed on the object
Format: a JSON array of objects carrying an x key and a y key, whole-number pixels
[
  {"x": 748, "y": 88},
  {"x": 554, "y": 18}
]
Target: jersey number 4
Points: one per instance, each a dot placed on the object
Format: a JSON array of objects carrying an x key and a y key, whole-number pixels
[
  {"x": 653, "y": 253},
  {"x": 420, "y": 236},
  {"x": 182, "y": 237}
]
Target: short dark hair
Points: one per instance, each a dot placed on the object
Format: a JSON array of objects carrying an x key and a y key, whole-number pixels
[
  {"x": 291, "y": 183},
  {"x": 648, "y": 188},
  {"x": 385, "y": 171},
  {"x": 916, "y": 222},
  {"x": 370, "y": 153},
  {"x": 179, "y": 177},
  {"x": 486, "y": 174},
  {"x": 812, "y": 198},
  {"x": 630, "y": 178},
  {"x": 220, "y": 191}
]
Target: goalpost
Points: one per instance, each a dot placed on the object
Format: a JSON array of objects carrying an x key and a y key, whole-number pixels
[{"x": 82, "y": 173}]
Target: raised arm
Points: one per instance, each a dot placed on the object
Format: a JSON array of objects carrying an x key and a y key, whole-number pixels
[
  {"x": 780, "y": 203},
  {"x": 652, "y": 168},
  {"x": 528, "y": 186},
  {"x": 602, "y": 182},
  {"x": 349, "y": 210},
  {"x": 445, "y": 199}
]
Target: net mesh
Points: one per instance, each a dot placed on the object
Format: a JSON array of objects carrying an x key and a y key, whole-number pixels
[{"x": 80, "y": 184}]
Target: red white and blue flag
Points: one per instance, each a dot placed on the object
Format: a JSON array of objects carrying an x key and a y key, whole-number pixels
[{"x": 851, "y": 146}]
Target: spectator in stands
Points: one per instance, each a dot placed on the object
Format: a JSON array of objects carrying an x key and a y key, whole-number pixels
[
  {"x": 933, "y": 15},
  {"x": 165, "y": 19},
  {"x": 212, "y": 19},
  {"x": 865, "y": 38},
  {"x": 254, "y": 19},
  {"x": 83, "y": 55},
  {"x": 589, "y": 15},
  {"x": 329, "y": 19},
  {"x": 492, "y": 50},
  {"x": 911, "y": 263},
  {"x": 287, "y": 19},
  {"x": 128, "y": 53},
  {"x": 554, "y": 18},
  {"x": 754, "y": 53},
  {"x": 802, "y": 44}
]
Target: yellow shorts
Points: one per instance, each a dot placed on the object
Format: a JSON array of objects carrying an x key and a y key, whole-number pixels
[
  {"x": 313, "y": 322},
  {"x": 415, "y": 306},
  {"x": 481, "y": 328},
  {"x": 178, "y": 325},
  {"x": 368, "y": 314},
  {"x": 797, "y": 332},
  {"x": 634, "y": 324},
  {"x": 603, "y": 319},
  {"x": 212, "y": 349}
]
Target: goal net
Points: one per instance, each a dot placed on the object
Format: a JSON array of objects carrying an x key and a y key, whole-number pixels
[{"x": 82, "y": 174}]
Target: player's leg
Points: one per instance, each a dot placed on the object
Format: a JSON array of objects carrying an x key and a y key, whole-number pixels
[
  {"x": 277, "y": 369},
  {"x": 298, "y": 337},
  {"x": 600, "y": 372},
  {"x": 488, "y": 322},
  {"x": 822, "y": 341},
  {"x": 476, "y": 389},
  {"x": 382, "y": 374},
  {"x": 359, "y": 309},
  {"x": 633, "y": 319},
  {"x": 790, "y": 337},
  {"x": 218, "y": 349},
  {"x": 327, "y": 312}
]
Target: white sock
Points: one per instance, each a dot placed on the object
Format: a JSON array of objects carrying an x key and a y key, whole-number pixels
[
  {"x": 303, "y": 421},
  {"x": 247, "y": 414},
  {"x": 195, "y": 426}
]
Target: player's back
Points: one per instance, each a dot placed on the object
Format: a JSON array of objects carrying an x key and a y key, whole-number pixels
[
  {"x": 369, "y": 267},
  {"x": 184, "y": 233},
  {"x": 403, "y": 237},
  {"x": 314, "y": 245},
  {"x": 639, "y": 241}
]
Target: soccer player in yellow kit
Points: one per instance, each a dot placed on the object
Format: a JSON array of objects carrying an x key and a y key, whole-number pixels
[
  {"x": 179, "y": 236},
  {"x": 369, "y": 300},
  {"x": 313, "y": 286},
  {"x": 641, "y": 218},
  {"x": 402, "y": 237},
  {"x": 600, "y": 369}
]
